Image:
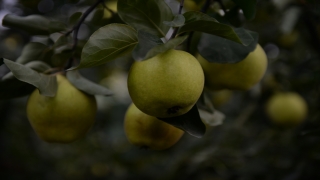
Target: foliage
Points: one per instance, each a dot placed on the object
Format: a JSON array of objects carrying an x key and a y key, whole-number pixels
[{"x": 95, "y": 46}]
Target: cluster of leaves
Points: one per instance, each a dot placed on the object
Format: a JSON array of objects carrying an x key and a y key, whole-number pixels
[{"x": 147, "y": 32}]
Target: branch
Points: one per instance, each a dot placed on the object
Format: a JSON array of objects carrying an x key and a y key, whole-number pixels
[
  {"x": 177, "y": 28},
  {"x": 76, "y": 27}
]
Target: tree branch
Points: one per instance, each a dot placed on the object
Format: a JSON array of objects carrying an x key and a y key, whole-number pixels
[
  {"x": 175, "y": 31},
  {"x": 76, "y": 27}
]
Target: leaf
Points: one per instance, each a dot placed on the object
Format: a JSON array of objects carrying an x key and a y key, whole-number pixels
[
  {"x": 74, "y": 18},
  {"x": 248, "y": 7},
  {"x": 172, "y": 43},
  {"x": 220, "y": 50},
  {"x": 212, "y": 119},
  {"x": 108, "y": 43},
  {"x": 57, "y": 26},
  {"x": 146, "y": 15},
  {"x": 146, "y": 42},
  {"x": 47, "y": 85},
  {"x": 38, "y": 66},
  {"x": 178, "y": 21},
  {"x": 189, "y": 122},
  {"x": 197, "y": 21},
  {"x": 33, "y": 24},
  {"x": 62, "y": 41},
  {"x": 61, "y": 55},
  {"x": 31, "y": 51},
  {"x": 205, "y": 104},
  {"x": 87, "y": 86}
]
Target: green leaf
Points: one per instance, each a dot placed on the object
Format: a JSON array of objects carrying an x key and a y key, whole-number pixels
[
  {"x": 220, "y": 50},
  {"x": 146, "y": 43},
  {"x": 57, "y": 26},
  {"x": 61, "y": 55},
  {"x": 197, "y": 21},
  {"x": 189, "y": 122},
  {"x": 205, "y": 103},
  {"x": 38, "y": 66},
  {"x": 97, "y": 18},
  {"x": 32, "y": 51},
  {"x": 62, "y": 41},
  {"x": 33, "y": 24},
  {"x": 248, "y": 7},
  {"x": 178, "y": 21},
  {"x": 87, "y": 86},
  {"x": 212, "y": 119},
  {"x": 172, "y": 43},
  {"x": 108, "y": 43},
  {"x": 146, "y": 15},
  {"x": 47, "y": 85},
  {"x": 74, "y": 18}
]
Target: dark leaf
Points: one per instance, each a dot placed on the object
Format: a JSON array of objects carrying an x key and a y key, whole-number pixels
[
  {"x": 189, "y": 122},
  {"x": 178, "y": 21},
  {"x": 57, "y": 26},
  {"x": 248, "y": 7},
  {"x": 32, "y": 51},
  {"x": 108, "y": 43},
  {"x": 146, "y": 43},
  {"x": 62, "y": 41},
  {"x": 165, "y": 47},
  {"x": 62, "y": 55},
  {"x": 146, "y": 15},
  {"x": 87, "y": 86},
  {"x": 220, "y": 50},
  {"x": 47, "y": 85},
  {"x": 33, "y": 24},
  {"x": 212, "y": 119},
  {"x": 205, "y": 103},
  {"x": 197, "y": 21},
  {"x": 38, "y": 66},
  {"x": 74, "y": 18}
]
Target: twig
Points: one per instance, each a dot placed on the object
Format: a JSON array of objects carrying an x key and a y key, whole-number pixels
[
  {"x": 177, "y": 28},
  {"x": 76, "y": 27}
]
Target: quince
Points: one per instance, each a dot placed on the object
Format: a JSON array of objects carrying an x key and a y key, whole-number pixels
[
  {"x": 166, "y": 85},
  {"x": 149, "y": 132},
  {"x": 235, "y": 76},
  {"x": 63, "y": 118}
]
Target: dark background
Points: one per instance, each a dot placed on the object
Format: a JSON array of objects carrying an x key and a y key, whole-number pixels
[{"x": 245, "y": 146}]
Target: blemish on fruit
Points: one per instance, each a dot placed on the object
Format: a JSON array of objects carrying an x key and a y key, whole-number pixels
[{"x": 173, "y": 110}]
